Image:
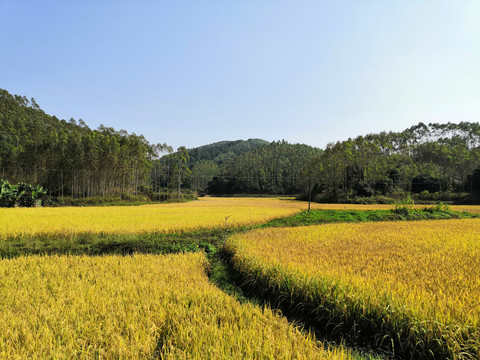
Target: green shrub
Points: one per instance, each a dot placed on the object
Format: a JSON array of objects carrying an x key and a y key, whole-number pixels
[
  {"x": 380, "y": 199},
  {"x": 404, "y": 206},
  {"x": 22, "y": 194}
]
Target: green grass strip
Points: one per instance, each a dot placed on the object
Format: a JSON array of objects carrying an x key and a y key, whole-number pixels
[
  {"x": 103, "y": 244},
  {"x": 317, "y": 217}
]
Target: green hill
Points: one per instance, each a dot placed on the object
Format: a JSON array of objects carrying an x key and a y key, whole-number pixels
[{"x": 223, "y": 151}]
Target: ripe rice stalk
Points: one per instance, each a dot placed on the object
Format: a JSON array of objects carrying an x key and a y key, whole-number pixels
[
  {"x": 136, "y": 307},
  {"x": 411, "y": 287},
  {"x": 206, "y": 213}
]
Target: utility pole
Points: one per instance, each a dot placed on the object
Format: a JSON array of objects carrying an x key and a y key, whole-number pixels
[
  {"x": 179, "y": 179},
  {"x": 309, "y": 190}
]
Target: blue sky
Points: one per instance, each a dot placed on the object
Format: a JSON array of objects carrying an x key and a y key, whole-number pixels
[{"x": 195, "y": 72}]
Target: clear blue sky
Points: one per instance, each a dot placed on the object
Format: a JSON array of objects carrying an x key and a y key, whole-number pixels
[{"x": 195, "y": 72}]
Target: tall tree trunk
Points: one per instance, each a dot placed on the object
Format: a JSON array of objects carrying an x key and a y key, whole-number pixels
[{"x": 179, "y": 183}]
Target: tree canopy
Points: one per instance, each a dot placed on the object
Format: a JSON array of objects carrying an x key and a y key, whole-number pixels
[
  {"x": 432, "y": 158},
  {"x": 67, "y": 157},
  {"x": 223, "y": 151},
  {"x": 275, "y": 168}
]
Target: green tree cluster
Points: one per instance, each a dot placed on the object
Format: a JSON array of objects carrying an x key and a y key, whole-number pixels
[
  {"x": 424, "y": 158},
  {"x": 174, "y": 173},
  {"x": 21, "y": 194},
  {"x": 276, "y": 168},
  {"x": 223, "y": 152},
  {"x": 67, "y": 157}
]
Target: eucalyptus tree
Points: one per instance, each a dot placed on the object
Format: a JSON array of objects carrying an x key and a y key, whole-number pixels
[{"x": 180, "y": 168}]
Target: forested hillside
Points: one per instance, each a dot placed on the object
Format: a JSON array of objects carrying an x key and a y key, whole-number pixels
[
  {"x": 223, "y": 151},
  {"x": 433, "y": 161},
  {"x": 67, "y": 157},
  {"x": 430, "y": 162},
  {"x": 274, "y": 168},
  {"x": 277, "y": 168},
  {"x": 207, "y": 161}
]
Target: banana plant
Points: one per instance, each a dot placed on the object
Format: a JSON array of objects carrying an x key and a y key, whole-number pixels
[{"x": 22, "y": 194}]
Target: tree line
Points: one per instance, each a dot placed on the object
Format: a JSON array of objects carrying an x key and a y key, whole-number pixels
[
  {"x": 276, "y": 168},
  {"x": 434, "y": 161},
  {"x": 441, "y": 159},
  {"x": 268, "y": 168},
  {"x": 67, "y": 157}
]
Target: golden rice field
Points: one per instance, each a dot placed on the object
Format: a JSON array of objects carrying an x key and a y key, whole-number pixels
[
  {"x": 151, "y": 306},
  {"x": 164, "y": 218},
  {"x": 206, "y": 213},
  {"x": 135, "y": 307},
  {"x": 474, "y": 209},
  {"x": 425, "y": 272}
]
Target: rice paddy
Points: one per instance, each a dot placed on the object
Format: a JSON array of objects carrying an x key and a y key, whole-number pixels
[
  {"x": 409, "y": 288},
  {"x": 418, "y": 278},
  {"x": 139, "y": 307},
  {"x": 206, "y": 213},
  {"x": 473, "y": 209}
]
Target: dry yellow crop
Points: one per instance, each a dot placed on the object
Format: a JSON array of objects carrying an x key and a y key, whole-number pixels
[
  {"x": 427, "y": 271},
  {"x": 204, "y": 213},
  {"x": 474, "y": 209},
  {"x": 135, "y": 307},
  {"x": 164, "y": 218}
]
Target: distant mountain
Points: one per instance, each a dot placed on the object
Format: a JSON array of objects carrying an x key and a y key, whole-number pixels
[{"x": 223, "y": 151}]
